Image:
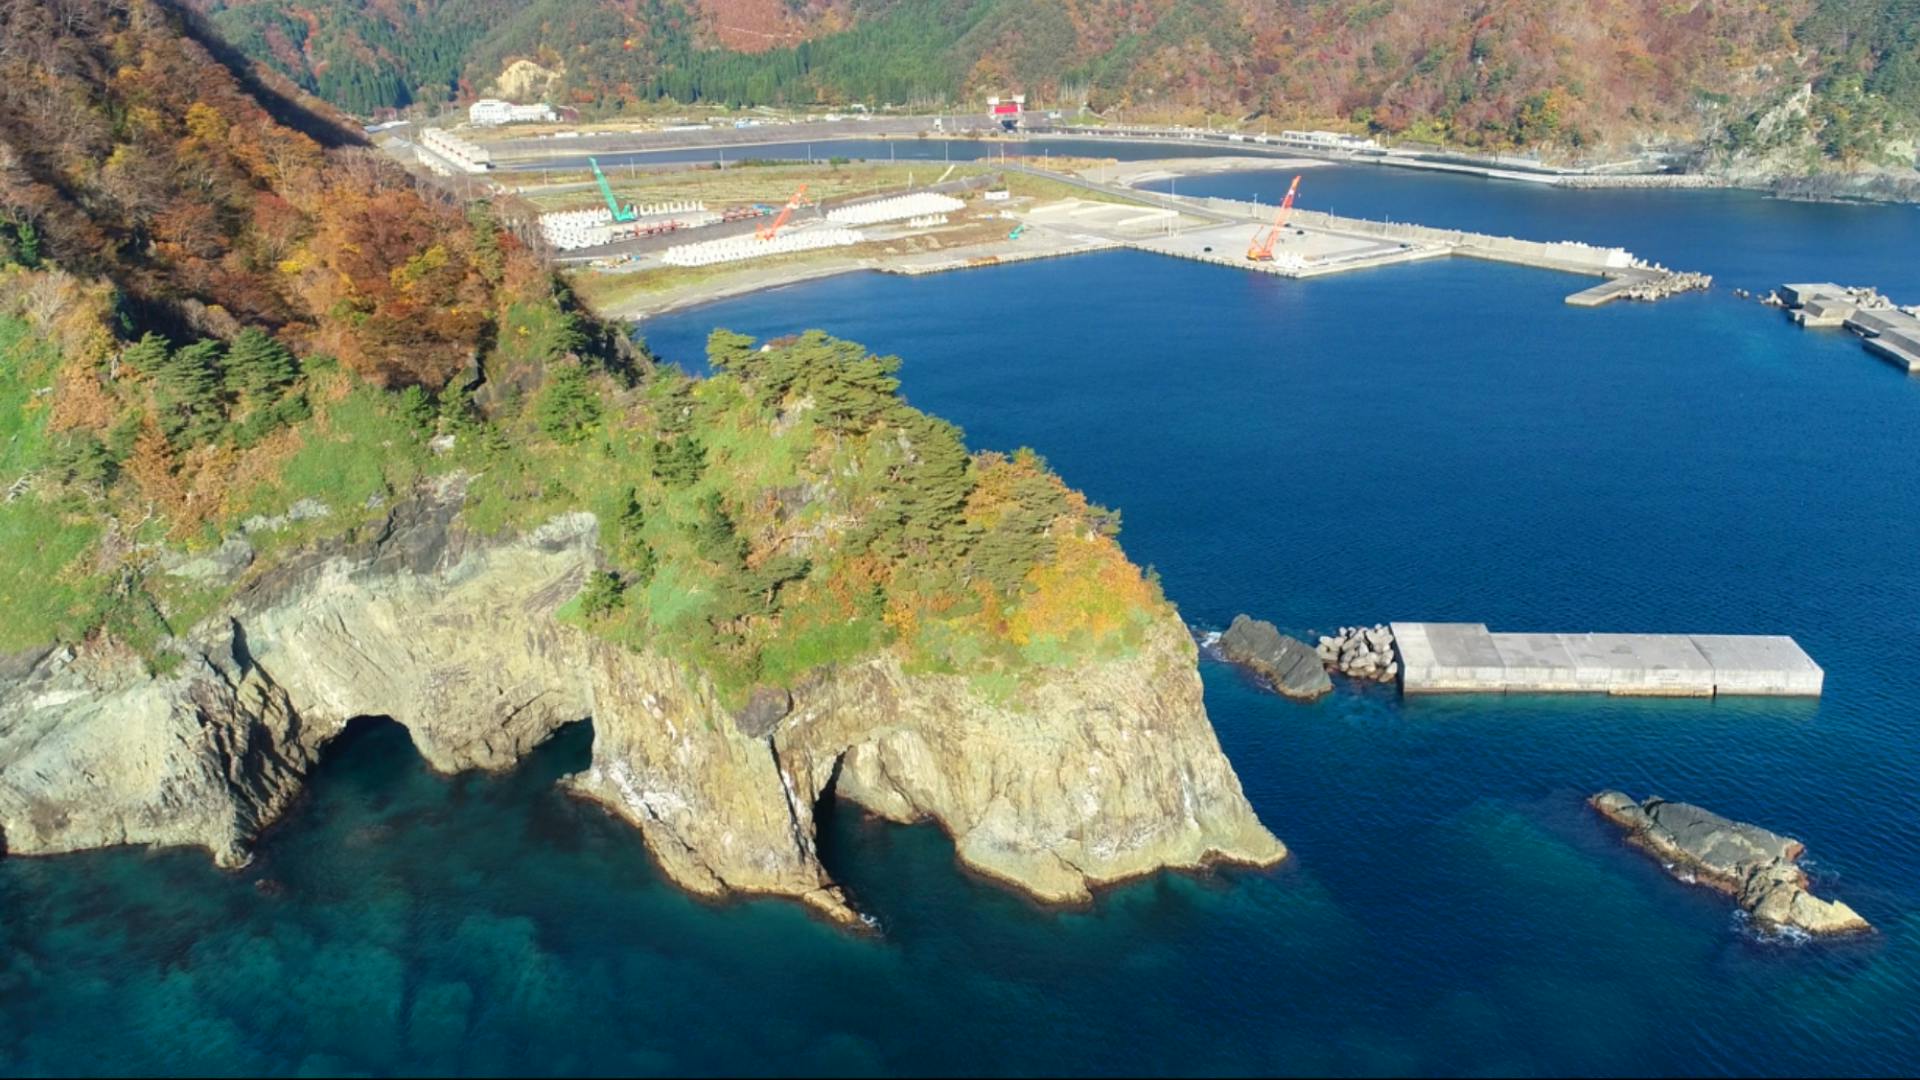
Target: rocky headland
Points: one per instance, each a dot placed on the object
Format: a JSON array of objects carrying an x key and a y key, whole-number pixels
[
  {"x": 1758, "y": 868},
  {"x": 1081, "y": 776}
]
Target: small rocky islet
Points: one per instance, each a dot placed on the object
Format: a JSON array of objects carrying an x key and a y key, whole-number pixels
[
  {"x": 1758, "y": 868},
  {"x": 1292, "y": 668},
  {"x": 1285, "y": 665}
]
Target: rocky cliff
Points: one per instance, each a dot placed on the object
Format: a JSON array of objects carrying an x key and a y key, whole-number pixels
[{"x": 1081, "y": 776}]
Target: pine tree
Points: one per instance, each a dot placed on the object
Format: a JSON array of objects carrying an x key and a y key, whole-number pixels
[
  {"x": 604, "y": 594},
  {"x": 764, "y": 583},
  {"x": 83, "y": 460},
  {"x": 259, "y": 368},
  {"x": 635, "y": 552},
  {"x": 851, "y": 388},
  {"x": 1020, "y": 540},
  {"x": 934, "y": 495},
  {"x": 714, "y": 536},
  {"x": 728, "y": 351},
  {"x": 569, "y": 407},
  {"x": 188, "y": 393},
  {"x": 679, "y": 462},
  {"x": 147, "y": 356}
]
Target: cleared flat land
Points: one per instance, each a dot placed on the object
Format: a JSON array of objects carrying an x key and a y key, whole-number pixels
[
  {"x": 1317, "y": 252},
  {"x": 746, "y": 185}
]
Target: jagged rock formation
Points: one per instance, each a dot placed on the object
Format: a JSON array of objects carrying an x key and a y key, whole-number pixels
[
  {"x": 1083, "y": 776},
  {"x": 1758, "y": 868},
  {"x": 1287, "y": 665}
]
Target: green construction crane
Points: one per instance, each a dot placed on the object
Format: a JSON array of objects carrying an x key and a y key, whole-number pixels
[{"x": 606, "y": 192}]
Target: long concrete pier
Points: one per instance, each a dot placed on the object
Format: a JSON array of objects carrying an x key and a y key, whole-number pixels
[{"x": 1467, "y": 658}]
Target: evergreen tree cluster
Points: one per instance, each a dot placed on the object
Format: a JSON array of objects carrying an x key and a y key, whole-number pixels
[
  {"x": 569, "y": 408},
  {"x": 921, "y": 519},
  {"x": 210, "y": 389}
]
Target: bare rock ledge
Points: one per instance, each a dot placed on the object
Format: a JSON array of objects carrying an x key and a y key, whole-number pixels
[
  {"x": 1756, "y": 867},
  {"x": 1086, "y": 776}
]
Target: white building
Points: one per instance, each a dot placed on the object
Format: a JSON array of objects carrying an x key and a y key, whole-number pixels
[
  {"x": 491, "y": 111},
  {"x": 1327, "y": 140},
  {"x": 446, "y": 153}
]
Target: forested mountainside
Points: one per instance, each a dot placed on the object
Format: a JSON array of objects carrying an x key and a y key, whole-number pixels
[
  {"x": 1495, "y": 73},
  {"x": 228, "y": 333}
]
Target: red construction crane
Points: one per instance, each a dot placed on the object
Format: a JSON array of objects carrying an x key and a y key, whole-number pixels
[
  {"x": 770, "y": 231},
  {"x": 1261, "y": 249}
]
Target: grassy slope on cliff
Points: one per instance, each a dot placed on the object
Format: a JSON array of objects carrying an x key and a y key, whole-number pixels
[{"x": 325, "y": 337}]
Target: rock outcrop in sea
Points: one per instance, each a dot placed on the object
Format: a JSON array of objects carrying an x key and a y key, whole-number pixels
[
  {"x": 1286, "y": 665},
  {"x": 1758, "y": 868},
  {"x": 1082, "y": 776}
]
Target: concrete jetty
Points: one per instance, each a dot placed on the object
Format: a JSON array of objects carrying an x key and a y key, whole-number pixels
[
  {"x": 1467, "y": 658},
  {"x": 1316, "y": 243},
  {"x": 1887, "y": 331}
]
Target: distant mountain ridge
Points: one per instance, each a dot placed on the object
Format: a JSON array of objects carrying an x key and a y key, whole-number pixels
[{"x": 1497, "y": 73}]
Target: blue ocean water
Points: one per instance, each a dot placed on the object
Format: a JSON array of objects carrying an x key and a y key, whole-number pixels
[{"x": 1446, "y": 440}]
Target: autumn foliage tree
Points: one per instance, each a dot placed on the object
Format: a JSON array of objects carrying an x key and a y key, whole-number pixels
[{"x": 130, "y": 148}]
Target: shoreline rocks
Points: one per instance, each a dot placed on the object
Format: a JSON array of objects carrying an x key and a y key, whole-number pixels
[
  {"x": 1285, "y": 665},
  {"x": 1363, "y": 653},
  {"x": 1758, "y": 868}
]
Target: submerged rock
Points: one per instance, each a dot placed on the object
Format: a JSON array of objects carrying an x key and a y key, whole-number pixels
[
  {"x": 1758, "y": 868},
  {"x": 1284, "y": 664},
  {"x": 1092, "y": 773}
]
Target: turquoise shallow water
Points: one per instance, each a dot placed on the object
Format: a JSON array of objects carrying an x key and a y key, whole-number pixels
[{"x": 1446, "y": 440}]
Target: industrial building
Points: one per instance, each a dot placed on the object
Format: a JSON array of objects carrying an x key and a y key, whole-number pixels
[
  {"x": 491, "y": 112},
  {"x": 446, "y": 153}
]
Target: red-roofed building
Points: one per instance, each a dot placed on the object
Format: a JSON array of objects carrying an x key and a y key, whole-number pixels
[{"x": 1007, "y": 111}]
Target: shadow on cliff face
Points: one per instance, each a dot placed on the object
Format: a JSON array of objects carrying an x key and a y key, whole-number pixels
[
  {"x": 379, "y": 733},
  {"x": 828, "y": 812},
  {"x": 568, "y": 750},
  {"x": 370, "y": 791},
  {"x": 373, "y": 763}
]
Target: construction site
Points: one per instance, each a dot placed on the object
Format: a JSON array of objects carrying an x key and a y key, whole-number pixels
[{"x": 644, "y": 240}]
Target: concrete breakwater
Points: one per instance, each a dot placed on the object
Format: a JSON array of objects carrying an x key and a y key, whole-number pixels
[
  {"x": 1568, "y": 255},
  {"x": 1467, "y": 658},
  {"x": 1888, "y": 331},
  {"x": 1641, "y": 283},
  {"x": 1378, "y": 243},
  {"x": 1658, "y": 181}
]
